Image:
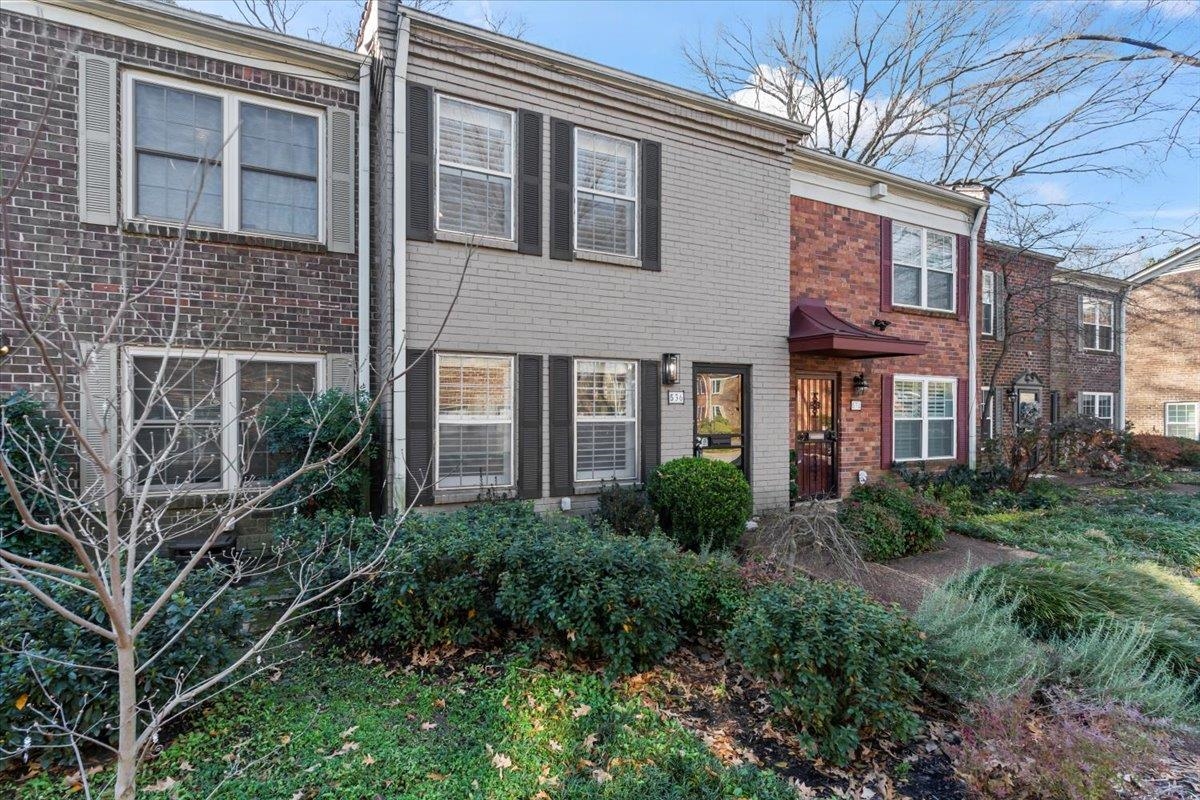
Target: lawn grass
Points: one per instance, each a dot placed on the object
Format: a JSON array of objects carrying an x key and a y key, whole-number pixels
[
  {"x": 1162, "y": 527},
  {"x": 503, "y": 728}
]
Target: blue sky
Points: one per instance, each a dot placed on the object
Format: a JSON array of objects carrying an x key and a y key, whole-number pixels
[{"x": 647, "y": 38}]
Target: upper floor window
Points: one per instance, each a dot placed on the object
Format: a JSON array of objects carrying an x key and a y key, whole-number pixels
[
  {"x": 922, "y": 268},
  {"x": 605, "y": 193},
  {"x": 606, "y": 402},
  {"x": 188, "y": 166},
  {"x": 923, "y": 418},
  {"x": 1098, "y": 405},
  {"x": 474, "y": 421},
  {"x": 989, "y": 302},
  {"x": 1096, "y": 323},
  {"x": 1183, "y": 419},
  {"x": 475, "y": 169}
]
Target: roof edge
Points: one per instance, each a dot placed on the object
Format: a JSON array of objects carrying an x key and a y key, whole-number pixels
[
  {"x": 806, "y": 155},
  {"x": 1166, "y": 265},
  {"x": 1012, "y": 248},
  {"x": 613, "y": 76},
  {"x": 1063, "y": 275}
]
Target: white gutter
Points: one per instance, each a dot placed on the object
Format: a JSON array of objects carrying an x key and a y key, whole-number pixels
[
  {"x": 1123, "y": 300},
  {"x": 399, "y": 261},
  {"x": 364, "y": 227},
  {"x": 973, "y": 341}
]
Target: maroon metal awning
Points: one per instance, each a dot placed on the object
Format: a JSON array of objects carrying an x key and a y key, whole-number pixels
[{"x": 818, "y": 331}]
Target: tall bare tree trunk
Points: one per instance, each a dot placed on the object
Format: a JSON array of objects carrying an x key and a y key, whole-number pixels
[{"x": 126, "y": 785}]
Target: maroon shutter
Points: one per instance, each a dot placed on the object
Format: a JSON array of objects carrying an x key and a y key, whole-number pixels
[
  {"x": 885, "y": 264},
  {"x": 963, "y": 421},
  {"x": 885, "y": 433},
  {"x": 963, "y": 275}
]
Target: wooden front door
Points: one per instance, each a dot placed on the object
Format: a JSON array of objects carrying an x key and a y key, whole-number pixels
[{"x": 816, "y": 436}]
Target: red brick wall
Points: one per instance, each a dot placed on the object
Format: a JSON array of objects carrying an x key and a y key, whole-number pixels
[
  {"x": 236, "y": 292},
  {"x": 1074, "y": 369},
  {"x": 835, "y": 257},
  {"x": 1163, "y": 348}
]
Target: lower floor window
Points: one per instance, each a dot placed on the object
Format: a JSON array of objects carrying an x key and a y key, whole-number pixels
[
  {"x": 605, "y": 420},
  {"x": 1183, "y": 419},
  {"x": 195, "y": 418},
  {"x": 987, "y": 422},
  {"x": 923, "y": 418},
  {"x": 474, "y": 421},
  {"x": 1097, "y": 404}
]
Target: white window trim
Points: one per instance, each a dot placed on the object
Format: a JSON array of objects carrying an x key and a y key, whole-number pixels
[
  {"x": 635, "y": 198},
  {"x": 511, "y": 421},
  {"x": 925, "y": 269},
  {"x": 576, "y": 418},
  {"x": 1093, "y": 399},
  {"x": 1112, "y": 327},
  {"x": 988, "y": 300},
  {"x": 437, "y": 169},
  {"x": 230, "y": 392},
  {"x": 988, "y": 404},
  {"x": 230, "y": 153},
  {"x": 925, "y": 380},
  {"x": 1167, "y": 415}
]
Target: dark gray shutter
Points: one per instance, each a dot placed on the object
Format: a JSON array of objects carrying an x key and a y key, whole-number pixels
[
  {"x": 529, "y": 427},
  {"x": 650, "y": 422},
  {"x": 1001, "y": 305},
  {"x": 651, "y": 200},
  {"x": 529, "y": 186},
  {"x": 420, "y": 162},
  {"x": 561, "y": 433},
  {"x": 562, "y": 171},
  {"x": 418, "y": 456}
]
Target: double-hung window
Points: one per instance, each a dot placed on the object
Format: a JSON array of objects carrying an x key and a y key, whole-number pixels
[
  {"x": 605, "y": 193},
  {"x": 474, "y": 421},
  {"x": 1096, "y": 321},
  {"x": 196, "y": 418},
  {"x": 922, "y": 268},
  {"x": 606, "y": 402},
  {"x": 474, "y": 169},
  {"x": 989, "y": 303},
  {"x": 1183, "y": 419},
  {"x": 1098, "y": 405},
  {"x": 220, "y": 159},
  {"x": 923, "y": 418},
  {"x": 987, "y": 422}
]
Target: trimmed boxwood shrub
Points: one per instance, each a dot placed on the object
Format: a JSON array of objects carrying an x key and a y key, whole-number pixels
[
  {"x": 891, "y": 521},
  {"x": 702, "y": 504},
  {"x": 841, "y": 667}
]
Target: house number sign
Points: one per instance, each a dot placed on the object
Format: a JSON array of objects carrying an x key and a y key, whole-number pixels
[{"x": 675, "y": 397}]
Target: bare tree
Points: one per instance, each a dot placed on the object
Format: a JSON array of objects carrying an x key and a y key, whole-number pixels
[
  {"x": 274, "y": 15},
  {"x": 131, "y": 489}
]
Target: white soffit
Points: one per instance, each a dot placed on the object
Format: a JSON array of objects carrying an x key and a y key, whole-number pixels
[{"x": 897, "y": 202}]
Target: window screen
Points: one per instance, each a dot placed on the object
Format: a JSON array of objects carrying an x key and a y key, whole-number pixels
[
  {"x": 475, "y": 169},
  {"x": 178, "y": 138},
  {"x": 606, "y": 194},
  {"x": 279, "y": 170},
  {"x": 605, "y": 420},
  {"x": 474, "y": 420}
]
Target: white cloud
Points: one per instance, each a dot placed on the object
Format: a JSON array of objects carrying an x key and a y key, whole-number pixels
[{"x": 1050, "y": 192}]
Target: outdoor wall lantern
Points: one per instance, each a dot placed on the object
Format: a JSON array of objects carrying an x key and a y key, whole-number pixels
[
  {"x": 861, "y": 384},
  {"x": 1010, "y": 393},
  {"x": 880, "y": 324},
  {"x": 670, "y": 363}
]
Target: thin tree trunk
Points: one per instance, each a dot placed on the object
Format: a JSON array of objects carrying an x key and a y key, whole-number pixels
[{"x": 126, "y": 785}]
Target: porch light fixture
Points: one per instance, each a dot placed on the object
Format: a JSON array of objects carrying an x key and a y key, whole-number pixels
[
  {"x": 670, "y": 369},
  {"x": 880, "y": 324},
  {"x": 861, "y": 384}
]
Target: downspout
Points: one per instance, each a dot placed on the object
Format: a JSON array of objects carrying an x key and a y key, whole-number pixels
[
  {"x": 973, "y": 341},
  {"x": 364, "y": 227},
  {"x": 399, "y": 261},
  {"x": 1122, "y": 300}
]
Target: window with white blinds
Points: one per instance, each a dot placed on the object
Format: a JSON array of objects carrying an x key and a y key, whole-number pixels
[
  {"x": 605, "y": 420},
  {"x": 474, "y": 421},
  {"x": 605, "y": 193},
  {"x": 1183, "y": 419},
  {"x": 475, "y": 169},
  {"x": 922, "y": 268},
  {"x": 923, "y": 418}
]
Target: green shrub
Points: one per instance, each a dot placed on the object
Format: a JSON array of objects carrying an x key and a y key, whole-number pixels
[
  {"x": 841, "y": 667},
  {"x": 626, "y": 509},
  {"x": 892, "y": 520},
  {"x": 1045, "y": 493},
  {"x": 299, "y": 429},
  {"x": 976, "y": 648},
  {"x": 33, "y": 638},
  {"x": 27, "y": 430},
  {"x": 715, "y": 591},
  {"x": 596, "y": 594},
  {"x": 701, "y": 503}
]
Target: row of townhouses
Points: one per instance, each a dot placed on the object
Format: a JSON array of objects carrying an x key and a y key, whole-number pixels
[{"x": 652, "y": 273}]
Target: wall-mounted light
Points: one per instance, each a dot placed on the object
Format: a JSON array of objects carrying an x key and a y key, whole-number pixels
[
  {"x": 881, "y": 324},
  {"x": 861, "y": 384},
  {"x": 1010, "y": 393},
  {"x": 670, "y": 369}
]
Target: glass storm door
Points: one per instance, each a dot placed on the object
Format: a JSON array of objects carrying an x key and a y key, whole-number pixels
[{"x": 722, "y": 402}]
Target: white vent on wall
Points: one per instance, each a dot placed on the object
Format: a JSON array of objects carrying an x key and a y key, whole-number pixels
[{"x": 878, "y": 190}]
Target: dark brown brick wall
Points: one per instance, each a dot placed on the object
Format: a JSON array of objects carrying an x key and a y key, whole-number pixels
[
  {"x": 1163, "y": 348},
  {"x": 835, "y": 257},
  {"x": 234, "y": 292}
]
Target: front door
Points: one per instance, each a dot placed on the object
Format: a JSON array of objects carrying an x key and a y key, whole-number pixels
[
  {"x": 816, "y": 436},
  {"x": 722, "y": 419}
]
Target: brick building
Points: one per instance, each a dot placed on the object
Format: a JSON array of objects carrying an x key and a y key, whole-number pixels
[
  {"x": 261, "y": 294},
  {"x": 1163, "y": 346}
]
